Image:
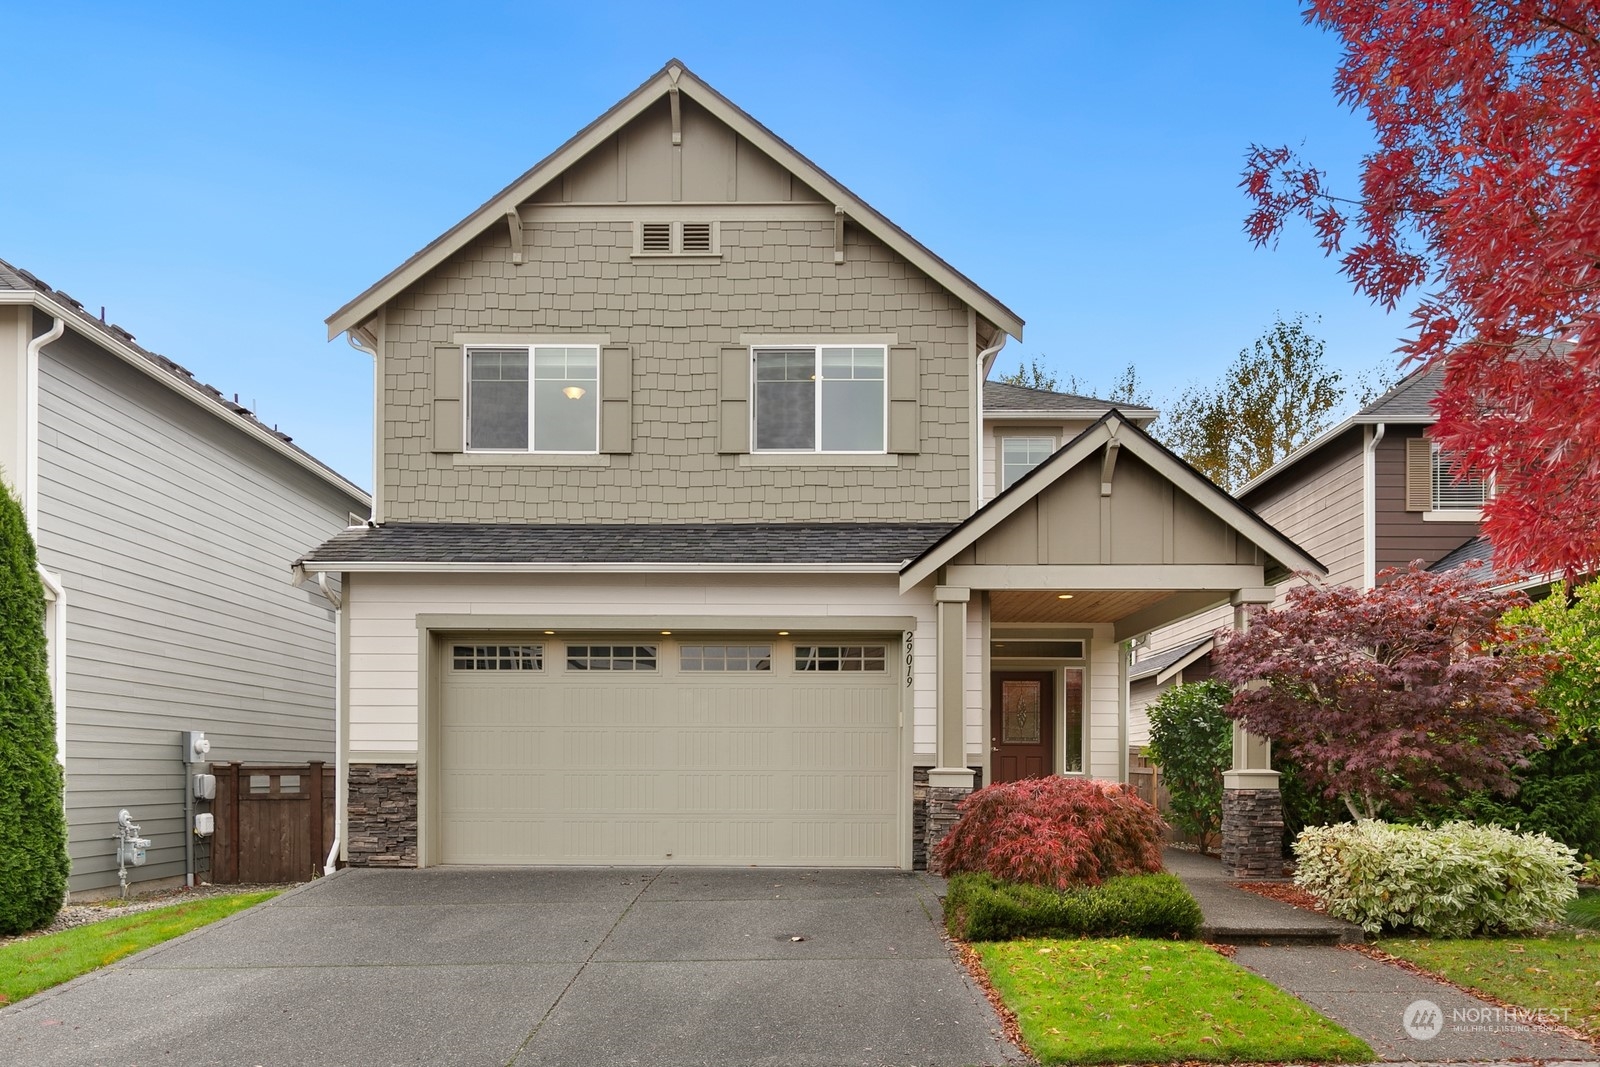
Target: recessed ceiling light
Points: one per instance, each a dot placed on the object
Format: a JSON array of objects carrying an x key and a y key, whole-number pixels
[
  {"x": 665, "y": 633},
  {"x": 783, "y": 633},
  {"x": 549, "y": 633},
  {"x": 1063, "y": 596}
]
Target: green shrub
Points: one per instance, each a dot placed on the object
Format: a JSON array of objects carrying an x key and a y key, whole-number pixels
[
  {"x": 1558, "y": 794},
  {"x": 980, "y": 907},
  {"x": 1191, "y": 739},
  {"x": 1053, "y": 831},
  {"x": 33, "y": 828},
  {"x": 1455, "y": 880}
]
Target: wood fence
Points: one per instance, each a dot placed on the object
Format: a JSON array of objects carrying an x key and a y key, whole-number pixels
[{"x": 273, "y": 823}]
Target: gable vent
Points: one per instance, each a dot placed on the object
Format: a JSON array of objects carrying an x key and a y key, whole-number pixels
[
  {"x": 656, "y": 237},
  {"x": 697, "y": 237}
]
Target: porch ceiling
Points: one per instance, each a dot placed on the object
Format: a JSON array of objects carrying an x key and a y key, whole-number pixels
[{"x": 1046, "y": 607}]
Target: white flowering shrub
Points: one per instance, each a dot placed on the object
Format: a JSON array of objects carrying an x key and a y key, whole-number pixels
[{"x": 1454, "y": 880}]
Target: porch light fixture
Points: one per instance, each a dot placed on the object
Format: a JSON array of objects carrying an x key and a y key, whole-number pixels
[
  {"x": 1063, "y": 596},
  {"x": 573, "y": 392}
]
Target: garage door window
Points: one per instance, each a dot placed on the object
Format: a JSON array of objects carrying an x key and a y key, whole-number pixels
[
  {"x": 611, "y": 657},
  {"x": 497, "y": 657},
  {"x": 838, "y": 657},
  {"x": 726, "y": 658}
]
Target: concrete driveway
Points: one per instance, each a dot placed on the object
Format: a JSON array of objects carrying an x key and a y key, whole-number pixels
[{"x": 538, "y": 967}]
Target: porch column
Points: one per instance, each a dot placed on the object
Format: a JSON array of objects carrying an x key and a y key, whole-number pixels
[
  {"x": 951, "y": 779},
  {"x": 1252, "y": 807}
]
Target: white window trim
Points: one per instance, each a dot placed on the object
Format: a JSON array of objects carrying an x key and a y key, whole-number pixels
[
  {"x": 466, "y": 393},
  {"x": 816, "y": 413},
  {"x": 1015, "y": 435}
]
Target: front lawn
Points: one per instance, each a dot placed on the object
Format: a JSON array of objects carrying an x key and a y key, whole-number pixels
[
  {"x": 35, "y": 964},
  {"x": 1555, "y": 972},
  {"x": 1127, "y": 1001}
]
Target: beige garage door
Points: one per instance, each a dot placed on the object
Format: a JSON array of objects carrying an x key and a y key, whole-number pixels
[{"x": 646, "y": 750}]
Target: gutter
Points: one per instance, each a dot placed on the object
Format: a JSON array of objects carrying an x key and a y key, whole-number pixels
[
  {"x": 307, "y": 567},
  {"x": 30, "y": 405}
]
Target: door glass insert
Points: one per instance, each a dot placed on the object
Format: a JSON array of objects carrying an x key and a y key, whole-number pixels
[
  {"x": 1072, "y": 718},
  {"x": 1019, "y": 712}
]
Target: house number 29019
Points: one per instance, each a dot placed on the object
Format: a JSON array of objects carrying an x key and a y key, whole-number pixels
[{"x": 910, "y": 656}]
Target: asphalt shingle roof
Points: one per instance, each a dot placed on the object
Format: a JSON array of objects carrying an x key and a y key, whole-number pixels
[
  {"x": 1412, "y": 396},
  {"x": 777, "y": 542},
  {"x": 16, "y": 279},
  {"x": 1002, "y": 396},
  {"x": 1160, "y": 661}
]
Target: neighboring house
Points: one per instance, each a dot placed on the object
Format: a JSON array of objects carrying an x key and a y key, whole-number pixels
[
  {"x": 1371, "y": 493},
  {"x": 687, "y": 548},
  {"x": 166, "y": 519}
]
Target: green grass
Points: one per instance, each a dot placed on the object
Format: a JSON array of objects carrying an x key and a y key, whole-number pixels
[
  {"x": 27, "y": 967},
  {"x": 1127, "y": 1001},
  {"x": 1557, "y": 972}
]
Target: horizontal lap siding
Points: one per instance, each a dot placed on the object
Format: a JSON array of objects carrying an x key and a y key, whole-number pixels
[
  {"x": 173, "y": 534},
  {"x": 384, "y": 608},
  {"x": 1403, "y": 536}
]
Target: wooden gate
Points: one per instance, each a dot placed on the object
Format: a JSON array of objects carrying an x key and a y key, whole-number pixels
[{"x": 273, "y": 824}]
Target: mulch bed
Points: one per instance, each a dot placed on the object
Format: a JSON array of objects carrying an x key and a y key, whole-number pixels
[{"x": 1284, "y": 893}]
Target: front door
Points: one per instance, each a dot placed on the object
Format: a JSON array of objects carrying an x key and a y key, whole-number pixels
[{"x": 1022, "y": 725}]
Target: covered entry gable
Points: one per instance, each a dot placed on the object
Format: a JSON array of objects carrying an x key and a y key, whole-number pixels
[{"x": 1132, "y": 532}]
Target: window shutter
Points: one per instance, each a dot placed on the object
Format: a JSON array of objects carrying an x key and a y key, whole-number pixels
[
  {"x": 448, "y": 417},
  {"x": 733, "y": 399},
  {"x": 905, "y": 415},
  {"x": 1419, "y": 474},
  {"x": 616, "y": 399}
]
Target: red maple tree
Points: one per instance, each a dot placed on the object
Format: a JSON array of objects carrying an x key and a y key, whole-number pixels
[
  {"x": 1482, "y": 194},
  {"x": 1410, "y": 692}
]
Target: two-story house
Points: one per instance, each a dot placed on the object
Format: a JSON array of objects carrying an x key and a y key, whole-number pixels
[
  {"x": 699, "y": 537},
  {"x": 1371, "y": 493},
  {"x": 165, "y": 515}
]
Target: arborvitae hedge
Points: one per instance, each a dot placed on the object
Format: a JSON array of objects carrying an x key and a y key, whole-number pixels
[{"x": 33, "y": 826}]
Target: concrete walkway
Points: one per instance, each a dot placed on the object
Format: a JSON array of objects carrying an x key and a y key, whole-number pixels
[
  {"x": 1233, "y": 916},
  {"x": 1294, "y": 949},
  {"x": 665, "y": 966}
]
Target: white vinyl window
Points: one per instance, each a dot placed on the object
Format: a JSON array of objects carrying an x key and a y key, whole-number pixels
[
  {"x": 542, "y": 398},
  {"x": 1019, "y": 455},
  {"x": 821, "y": 399},
  {"x": 1455, "y": 488}
]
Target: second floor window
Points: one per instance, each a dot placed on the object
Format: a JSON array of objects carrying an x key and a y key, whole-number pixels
[
  {"x": 820, "y": 399},
  {"x": 1454, "y": 487},
  {"x": 1019, "y": 455},
  {"x": 543, "y": 398}
]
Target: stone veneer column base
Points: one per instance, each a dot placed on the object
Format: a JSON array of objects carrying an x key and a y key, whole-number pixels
[
  {"x": 1252, "y": 833},
  {"x": 933, "y": 812},
  {"x": 382, "y": 820}
]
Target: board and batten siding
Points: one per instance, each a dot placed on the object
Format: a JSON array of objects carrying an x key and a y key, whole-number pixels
[{"x": 173, "y": 534}]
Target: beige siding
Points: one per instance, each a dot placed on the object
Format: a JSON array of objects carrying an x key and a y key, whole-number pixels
[
  {"x": 774, "y": 279},
  {"x": 173, "y": 535}
]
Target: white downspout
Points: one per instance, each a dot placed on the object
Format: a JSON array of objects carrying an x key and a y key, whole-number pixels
[
  {"x": 339, "y": 786},
  {"x": 58, "y": 659},
  {"x": 364, "y": 341},
  {"x": 30, "y": 405},
  {"x": 984, "y": 359},
  {"x": 1369, "y": 508}
]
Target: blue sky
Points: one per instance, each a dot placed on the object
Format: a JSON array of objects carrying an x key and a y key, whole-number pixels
[{"x": 222, "y": 177}]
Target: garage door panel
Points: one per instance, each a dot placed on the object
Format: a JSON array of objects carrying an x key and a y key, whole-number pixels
[{"x": 769, "y": 767}]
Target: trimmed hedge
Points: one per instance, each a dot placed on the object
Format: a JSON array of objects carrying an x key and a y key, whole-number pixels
[
  {"x": 980, "y": 907},
  {"x": 1455, "y": 880}
]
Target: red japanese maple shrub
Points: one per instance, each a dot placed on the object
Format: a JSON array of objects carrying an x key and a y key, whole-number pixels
[{"x": 1059, "y": 832}]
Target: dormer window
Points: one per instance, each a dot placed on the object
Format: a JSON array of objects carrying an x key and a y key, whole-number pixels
[{"x": 657, "y": 238}]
